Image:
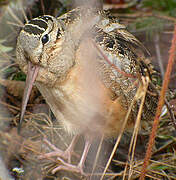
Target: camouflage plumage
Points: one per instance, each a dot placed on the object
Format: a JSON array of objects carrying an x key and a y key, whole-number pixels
[{"x": 88, "y": 69}]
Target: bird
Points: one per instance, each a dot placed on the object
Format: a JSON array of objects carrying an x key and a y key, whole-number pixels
[{"x": 88, "y": 68}]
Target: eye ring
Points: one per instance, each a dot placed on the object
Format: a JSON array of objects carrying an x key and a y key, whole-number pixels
[{"x": 45, "y": 39}]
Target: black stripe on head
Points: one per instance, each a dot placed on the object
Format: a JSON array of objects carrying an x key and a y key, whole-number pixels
[
  {"x": 58, "y": 33},
  {"x": 32, "y": 29},
  {"x": 39, "y": 22},
  {"x": 46, "y": 18}
]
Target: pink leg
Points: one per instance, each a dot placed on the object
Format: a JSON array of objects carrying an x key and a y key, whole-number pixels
[
  {"x": 74, "y": 168},
  {"x": 57, "y": 152}
]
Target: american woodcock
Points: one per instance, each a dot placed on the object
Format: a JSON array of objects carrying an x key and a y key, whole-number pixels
[{"x": 88, "y": 67}]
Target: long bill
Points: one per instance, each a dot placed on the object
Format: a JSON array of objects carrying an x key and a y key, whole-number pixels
[{"x": 31, "y": 76}]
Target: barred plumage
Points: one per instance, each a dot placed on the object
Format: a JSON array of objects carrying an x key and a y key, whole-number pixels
[{"x": 89, "y": 69}]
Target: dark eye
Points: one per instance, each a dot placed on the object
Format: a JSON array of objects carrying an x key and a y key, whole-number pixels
[{"x": 45, "y": 39}]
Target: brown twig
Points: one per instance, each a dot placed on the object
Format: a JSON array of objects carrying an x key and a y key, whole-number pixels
[
  {"x": 171, "y": 113},
  {"x": 158, "y": 54},
  {"x": 141, "y": 94},
  {"x": 147, "y": 14},
  {"x": 42, "y": 6},
  {"x": 14, "y": 16},
  {"x": 119, "y": 6},
  {"x": 160, "y": 105}
]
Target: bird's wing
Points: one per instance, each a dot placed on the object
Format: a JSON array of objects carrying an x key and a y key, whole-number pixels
[{"x": 123, "y": 64}]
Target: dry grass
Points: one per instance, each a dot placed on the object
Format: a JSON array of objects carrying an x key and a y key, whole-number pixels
[{"x": 22, "y": 151}]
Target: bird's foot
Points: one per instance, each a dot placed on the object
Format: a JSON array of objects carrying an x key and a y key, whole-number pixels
[
  {"x": 69, "y": 167},
  {"x": 67, "y": 155},
  {"x": 57, "y": 152}
]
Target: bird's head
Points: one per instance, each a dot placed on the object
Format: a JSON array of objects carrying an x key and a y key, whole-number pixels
[
  {"x": 44, "y": 52},
  {"x": 42, "y": 43}
]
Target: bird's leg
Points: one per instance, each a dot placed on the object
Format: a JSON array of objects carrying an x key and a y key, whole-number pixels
[
  {"x": 75, "y": 168},
  {"x": 57, "y": 152},
  {"x": 70, "y": 150}
]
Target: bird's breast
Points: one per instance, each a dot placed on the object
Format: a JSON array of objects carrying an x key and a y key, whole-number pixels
[{"x": 83, "y": 103}]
